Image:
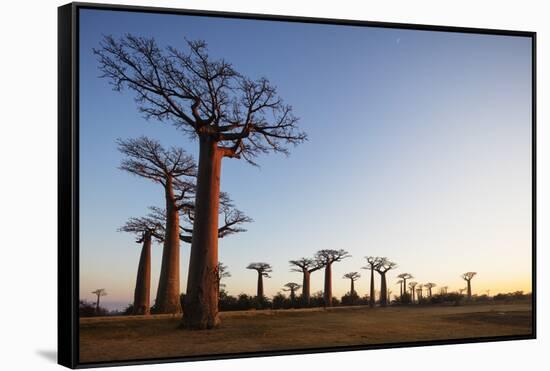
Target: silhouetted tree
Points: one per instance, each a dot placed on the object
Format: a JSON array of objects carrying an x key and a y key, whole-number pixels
[
  {"x": 147, "y": 158},
  {"x": 263, "y": 270},
  {"x": 292, "y": 287},
  {"x": 412, "y": 285},
  {"x": 468, "y": 278},
  {"x": 146, "y": 229},
  {"x": 400, "y": 283},
  {"x": 352, "y": 276},
  {"x": 222, "y": 273},
  {"x": 443, "y": 290},
  {"x": 99, "y": 293},
  {"x": 384, "y": 267},
  {"x": 372, "y": 264},
  {"x": 305, "y": 266},
  {"x": 429, "y": 286},
  {"x": 231, "y": 116},
  {"x": 404, "y": 277},
  {"x": 326, "y": 258}
]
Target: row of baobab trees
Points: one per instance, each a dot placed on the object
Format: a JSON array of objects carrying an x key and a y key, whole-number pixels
[{"x": 230, "y": 116}]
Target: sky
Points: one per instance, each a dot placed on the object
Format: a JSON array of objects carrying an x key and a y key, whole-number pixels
[{"x": 419, "y": 150}]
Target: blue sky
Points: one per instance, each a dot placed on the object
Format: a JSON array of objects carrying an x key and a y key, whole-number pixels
[{"x": 419, "y": 150}]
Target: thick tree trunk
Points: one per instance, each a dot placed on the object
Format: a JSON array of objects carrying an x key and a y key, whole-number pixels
[
  {"x": 168, "y": 293},
  {"x": 260, "y": 290},
  {"x": 371, "y": 296},
  {"x": 383, "y": 290},
  {"x": 292, "y": 296},
  {"x": 352, "y": 289},
  {"x": 305, "y": 288},
  {"x": 201, "y": 299},
  {"x": 142, "y": 292},
  {"x": 401, "y": 290},
  {"x": 328, "y": 285},
  {"x": 469, "y": 290}
]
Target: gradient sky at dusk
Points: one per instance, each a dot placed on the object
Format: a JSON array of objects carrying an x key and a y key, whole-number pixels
[{"x": 419, "y": 150}]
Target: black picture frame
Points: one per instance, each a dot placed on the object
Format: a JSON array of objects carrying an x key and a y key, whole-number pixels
[{"x": 68, "y": 179}]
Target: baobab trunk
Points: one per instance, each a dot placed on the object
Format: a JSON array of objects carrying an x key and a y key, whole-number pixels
[
  {"x": 260, "y": 291},
  {"x": 305, "y": 288},
  {"x": 383, "y": 290},
  {"x": 201, "y": 299},
  {"x": 142, "y": 292},
  {"x": 328, "y": 285},
  {"x": 412, "y": 295},
  {"x": 97, "y": 305},
  {"x": 469, "y": 291},
  {"x": 168, "y": 293},
  {"x": 401, "y": 290},
  {"x": 371, "y": 297},
  {"x": 352, "y": 289}
]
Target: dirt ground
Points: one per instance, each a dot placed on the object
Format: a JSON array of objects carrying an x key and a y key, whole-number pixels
[{"x": 132, "y": 338}]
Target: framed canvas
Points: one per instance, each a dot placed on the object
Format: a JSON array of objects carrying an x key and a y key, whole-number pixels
[{"x": 239, "y": 185}]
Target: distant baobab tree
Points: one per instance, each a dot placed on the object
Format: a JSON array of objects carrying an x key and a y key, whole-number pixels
[
  {"x": 400, "y": 283},
  {"x": 99, "y": 293},
  {"x": 429, "y": 286},
  {"x": 230, "y": 114},
  {"x": 419, "y": 293},
  {"x": 352, "y": 276},
  {"x": 305, "y": 266},
  {"x": 221, "y": 273},
  {"x": 372, "y": 263},
  {"x": 146, "y": 229},
  {"x": 292, "y": 287},
  {"x": 412, "y": 286},
  {"x": 263, "y": 270},
  {"x": 148, "y": 159},
  {"x": 326, "y": 258},
  {"x": 443, "y": 290},
  {"x": 468, "y": 278},
  {"x": 384, "y": 267},
  {"x": 404, "y": 277}
]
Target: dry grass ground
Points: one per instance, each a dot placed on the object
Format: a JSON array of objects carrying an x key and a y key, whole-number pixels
[{"x": 130, "y": 338}]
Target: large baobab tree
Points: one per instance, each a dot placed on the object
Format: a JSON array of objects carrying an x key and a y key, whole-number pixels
[
  {"x": 228, "y": 113},
  {"x": 146, "y": 229},
  {"x": 372, "y": 263},
  {"x": 384, "y": 267},
  {"x": 99, "y": 293},
  {"x": 326, "y": 258},
  {"x": 412, "y": 285},
  {"x": 468, "y": 278},
  {"x": 292, "y": 287},
  {"x": 352, "y": 277},
  {"x": 404, "y": 277},
  {"x": 263, "y": 270},
  {"x": 429, "y": 286},
  {"x": 305, "y": 266},
  {"x": 147, "y": 158}
]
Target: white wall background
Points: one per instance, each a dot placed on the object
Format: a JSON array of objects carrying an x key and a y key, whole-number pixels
[{"x": 28, "y": 151}]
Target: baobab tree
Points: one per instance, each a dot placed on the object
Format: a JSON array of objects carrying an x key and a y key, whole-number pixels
[
  {"x": 221, "y": 273},
  {"x": 292, "y": 287},
  {"x": 384, "y": 267},
  {"x": 404, "y": 277},
  {"x": 305, "y": 266},
  {"x": 419, "y": 293},
  {"x": 468, "y": 278},
  {"x": 400, "y": 283},
  {"x": 352, "y": 277},
  {"x": 429, "y": 286},
  {"x": 146, "y": 229},
  {"x": 147, "y": 158},
  {"x": 99, "y": 293},
  {"x": 372, "y": 263},
  {"x": 443, "y": 290},
  {"x": 263, "y": 270},
  {"x": 230, "y": 114},
  {"x": 412, "y": 286},
  {"x": 326, "y": 258}
]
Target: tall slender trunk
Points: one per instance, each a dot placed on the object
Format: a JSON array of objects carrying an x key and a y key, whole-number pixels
[
  {"x": 328, "y": 285},
  {"x": 429, "y": 292},
  {"x": 305, "y": 287},
  {"x": 260, "y": 291},
  {"x": 412, "y": 295},
  {"x": 168, "y": 293},
  {"x": 352, "y": 289},
  {"x": 292, "y": 296},
  {"x": 404, "y": 287},
  {"x": 97, "y": 305},
  {"x": 469, "y": 290},
  {"x": 383, "y": 289},
  {"x": 401, "y": 290},
  {"x": 142, "y": 293},
  {"x": 371, "y": 297},
  {"x": 201, "y": 299}
]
